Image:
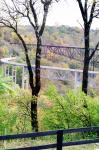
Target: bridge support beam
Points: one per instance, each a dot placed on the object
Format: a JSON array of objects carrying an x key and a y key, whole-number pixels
[
  {"x": 14, "y": 74},
  {"x": 23, "y": 77},
  {"x": 75, "y": 80},
  {"x": 25, "y": 80}
]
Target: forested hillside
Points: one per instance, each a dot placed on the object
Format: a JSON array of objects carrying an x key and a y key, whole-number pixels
[
  {"x": 53, "y": 35},
  {"x": 56, "y": 35}
]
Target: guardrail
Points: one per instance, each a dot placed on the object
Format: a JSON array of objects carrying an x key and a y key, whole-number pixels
[{"x": 59, "y": 133}]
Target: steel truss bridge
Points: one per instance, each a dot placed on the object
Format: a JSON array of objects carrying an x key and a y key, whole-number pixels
[
  {"x": 53, "y": 73},
  {"x": 75, "y": 53}
]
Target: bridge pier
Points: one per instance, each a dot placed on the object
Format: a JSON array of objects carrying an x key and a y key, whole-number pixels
[
  {"x": 25, "y": 80},
  {"x": 6, "y": 70},
  {"x": 14, "y": 74},
  {"x": 77, "y": 79},
  {"x": 23, "y": 77}
]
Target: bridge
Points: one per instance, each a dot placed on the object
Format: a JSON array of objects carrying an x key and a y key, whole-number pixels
[
  {"x": 9, "y": 67},
  {"x": 76, "y": 53}
]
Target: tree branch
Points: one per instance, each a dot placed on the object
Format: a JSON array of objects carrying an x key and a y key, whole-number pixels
[
  {"x": 86, "y": 11},
  {"x": 92, "y": 54},
  {"x": 81, "y": 9},
  {"x": 92, "y": 12},
  {"x": 34, "y": 14},
  {"x": 45, "y": 7}
]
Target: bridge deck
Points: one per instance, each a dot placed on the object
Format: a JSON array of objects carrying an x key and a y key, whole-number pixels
[{"x": 10, "y": 62}]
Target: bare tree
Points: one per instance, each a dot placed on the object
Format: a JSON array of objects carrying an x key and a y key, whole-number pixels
[
  {"x": 11, "y": 12},
  {"x": 89, "y": 10}
]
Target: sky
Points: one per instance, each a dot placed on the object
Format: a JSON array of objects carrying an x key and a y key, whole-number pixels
[{"x": 67, "y": 12}]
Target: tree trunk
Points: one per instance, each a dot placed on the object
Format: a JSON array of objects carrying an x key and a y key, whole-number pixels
[
  {"x": 86, "y": 61},
  {"x": 37, "y": 66},
  {"x": 85, "y": 76},
  {"x": 34, "y": 118},
  {"x": 36, "y": 89}
]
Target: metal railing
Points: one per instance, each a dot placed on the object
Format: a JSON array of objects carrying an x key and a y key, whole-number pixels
[{"x": 59, "y": 133}]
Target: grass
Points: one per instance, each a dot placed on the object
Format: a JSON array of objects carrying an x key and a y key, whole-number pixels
[
  {"x": 28, "y": 142},
  {"x": 83, "y": 147}
]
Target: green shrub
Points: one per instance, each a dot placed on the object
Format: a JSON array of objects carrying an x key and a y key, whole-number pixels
[
  {"x": 6, "y": 85},
  {"x": 15, "y": 113},
  {"x": 72, "y": 110},
  {"x": 7, "y": 116}
]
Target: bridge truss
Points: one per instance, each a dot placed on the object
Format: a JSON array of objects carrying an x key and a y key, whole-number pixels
[{"x": 73, "y": 53}]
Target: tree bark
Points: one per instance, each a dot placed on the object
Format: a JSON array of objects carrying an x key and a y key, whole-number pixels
[
  {"x": 36, "y": 89},
  {"x": 37, "y": 66},
  {"x": 34, "y": 116},
  {"x": 86, "y": 60}
]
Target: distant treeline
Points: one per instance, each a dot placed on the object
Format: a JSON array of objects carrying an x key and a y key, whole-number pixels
[{"x": 55, "y": 35}]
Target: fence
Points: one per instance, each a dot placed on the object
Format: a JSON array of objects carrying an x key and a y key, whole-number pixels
[{"x": 59, "y": 133}]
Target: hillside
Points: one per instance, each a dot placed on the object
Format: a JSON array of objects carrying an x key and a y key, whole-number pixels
[
  {"x": 55, "y": 35},
  {"x": 64, "y": 35}
]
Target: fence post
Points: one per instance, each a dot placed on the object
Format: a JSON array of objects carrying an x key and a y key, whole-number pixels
[{"x": 59, "y": 139}]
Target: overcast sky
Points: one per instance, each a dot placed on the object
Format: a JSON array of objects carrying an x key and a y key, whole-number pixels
[{"x": 66, "y": 12}]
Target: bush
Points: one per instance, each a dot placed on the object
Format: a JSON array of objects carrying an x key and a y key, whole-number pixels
[
  {"x": 7, "y": 116},
  {"x": 73, "y": 110},
  {"x": 6, "y": 85},
  {"x": 15, "y": 113}
]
